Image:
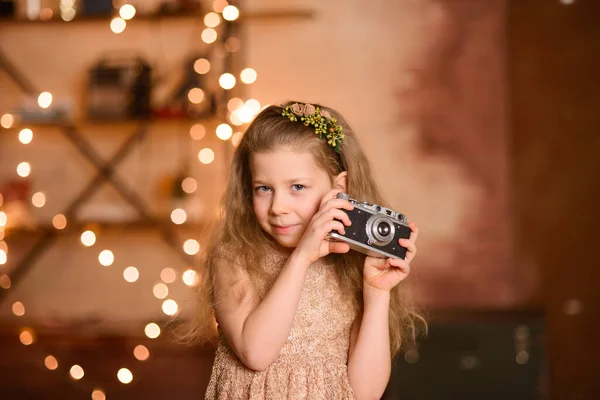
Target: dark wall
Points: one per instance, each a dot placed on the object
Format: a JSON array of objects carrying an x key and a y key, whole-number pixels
[{"x": 554, "y": 53}]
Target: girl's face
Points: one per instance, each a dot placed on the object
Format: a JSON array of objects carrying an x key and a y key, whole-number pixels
[{"x": 287, "y": 187}]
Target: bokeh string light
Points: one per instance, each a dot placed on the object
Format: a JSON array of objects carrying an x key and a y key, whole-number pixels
[{"x": 240, "y": 112}]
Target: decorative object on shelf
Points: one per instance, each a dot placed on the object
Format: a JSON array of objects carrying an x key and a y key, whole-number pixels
[
  {"x": 119, "y": 89},
  {"x": 7, "y": 8},
  {"x": 16, "y": 195},
  {"x": 192, "y": 96},
  {"x": 97, "y": 7}
]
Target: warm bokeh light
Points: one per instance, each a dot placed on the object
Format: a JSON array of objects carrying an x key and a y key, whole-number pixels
[
  {"x": 411, "y": 356},
  {"x": 522, "y": 357},
  {"x": 168, "y": 275},
  {"x": 23, "y": 169},
  {"x": 98, "y": 394},
  {"x": 7, "y": 121},
  {"x": 231, "y": 13},
  {"x": 51, "y": 362},
  {"x": 206, "y": 156},
  {"x": 5, "y": 281},
  {"x": 26, "y": 136},
  {"x": 45, "y": 99},
  {"x": 76, "y": 372},
  {"x": 189, "y": 185},
  {"x": 197, "y": 131},
  {"x": 232, "y": 44},
  {"x": 191, "y": 247},
  {"x": 227, "y": 81},
  {"x": 202, "y": 66},
  {"x": 160, "y": 290},
  {"x": 244, "y": 113},
  {"x": 68, "y": 14},
  {"x": 178, "y": 216},
  {"x": 38, "y": 199},
  {"x": 196, "y": 95},
  {"x": 3, "y": 218},
  {"x": 237, "y": 138},
  {"x": 106, "y": 258},
  {"x": 18, "y": 309},
  {"x": 88, "y": 238},
  {"x": 248, "y": 76},
  {"x": 190, "y": 277},
  {"x": 234, "y": 104},
  {"x": 125, "y": 376},
  {"x": 234, "y": 118},
  {"x": 141, "y": 352},
  {"x": 152, "y": 330},
  {"x": 170, "y": 307},
  {"x": 46, "y": 14},
  {"x": 59, "y": 221},
  {"x": 3, "y": 257},
  {"x": 212, "y": 19},
  {"x": 209, "y": 35},
  {"x": 224, "y": 131},
  {"x": 253, "y": 105},
  {"x": 219, "y": 5},
  {"x": 131, "y": 274},
  {"x": 27, "y": 336},
  {"x": 118, "y": 25},
  {"x": 127, "y": 11}
]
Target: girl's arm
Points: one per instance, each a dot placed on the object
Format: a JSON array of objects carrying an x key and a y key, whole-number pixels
[
  {"x": 369, "y": 362},
  {"x": 369, "y": 357},
  {"x": 257, "y": 330}
]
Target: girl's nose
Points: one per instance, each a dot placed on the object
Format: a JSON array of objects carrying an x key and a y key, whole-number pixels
[{"x": 279, "y": 205}]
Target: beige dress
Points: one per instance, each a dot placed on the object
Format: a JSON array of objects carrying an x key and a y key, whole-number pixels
[{"x": 313, "y": 363}]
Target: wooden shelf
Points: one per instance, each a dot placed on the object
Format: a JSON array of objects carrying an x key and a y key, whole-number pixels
[{"x": 187, "y": 15}]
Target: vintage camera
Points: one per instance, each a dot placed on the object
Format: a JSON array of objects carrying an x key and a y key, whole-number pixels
[{"x": 375, "y": 230}]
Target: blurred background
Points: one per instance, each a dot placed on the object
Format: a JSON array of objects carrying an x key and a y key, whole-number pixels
[{"x": 118, "y": 123}]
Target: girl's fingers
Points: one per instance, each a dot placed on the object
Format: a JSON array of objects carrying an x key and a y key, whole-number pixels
[
  {"x": 338, "y": 247},
  {"x": 329, "y": 196},
  {"x": 379, "y": 263},
  {"x": 332, "y": 214},
  {"x": 400, "y": 264},
  {"x": 335, "y": 226},
  {"x": 415, "y": 231},
  {"x": 409, "y": 245}
]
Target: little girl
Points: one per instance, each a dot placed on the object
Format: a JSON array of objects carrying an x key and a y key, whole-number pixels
[{"x": 300, "y": 316}]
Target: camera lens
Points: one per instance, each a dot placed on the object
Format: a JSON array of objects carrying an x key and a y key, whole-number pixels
[
  {"x": 380, "y": 230},
  {"x": 384, "y": 229}
]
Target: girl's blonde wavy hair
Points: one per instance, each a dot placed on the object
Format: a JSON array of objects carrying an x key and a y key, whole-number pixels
[{"x": 239, "y": 232}]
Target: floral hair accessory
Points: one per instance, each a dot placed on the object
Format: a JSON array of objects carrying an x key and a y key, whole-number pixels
[{"x": 325, "y": 126}]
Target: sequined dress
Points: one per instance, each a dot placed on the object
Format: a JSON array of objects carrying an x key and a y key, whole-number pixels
[{"x": 313, "y": 361}]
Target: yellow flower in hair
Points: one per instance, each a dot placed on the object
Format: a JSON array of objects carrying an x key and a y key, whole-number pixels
[{"x": 325, "y": 126}]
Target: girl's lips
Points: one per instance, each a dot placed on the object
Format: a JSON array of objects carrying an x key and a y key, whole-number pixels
[{"x": 283, "y": 229}]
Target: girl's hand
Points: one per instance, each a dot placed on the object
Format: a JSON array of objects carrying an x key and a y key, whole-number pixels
[
  {"x": 386, "y": 273},
  {"x": 313, "y": 244}
]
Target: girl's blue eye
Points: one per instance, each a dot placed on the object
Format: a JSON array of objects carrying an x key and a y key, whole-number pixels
[
  {"x": 262, "y": 188},
  {"x": 298, "y": 187}
]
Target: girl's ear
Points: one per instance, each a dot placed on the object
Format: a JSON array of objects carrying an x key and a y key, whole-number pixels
[{"x": 340, "y": 181}]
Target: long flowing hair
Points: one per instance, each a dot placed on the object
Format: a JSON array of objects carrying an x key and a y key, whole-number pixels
[{"x": 239, "y": 231}]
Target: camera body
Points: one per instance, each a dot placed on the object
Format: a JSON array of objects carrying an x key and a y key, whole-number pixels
[{"x": 375, "y": 230}]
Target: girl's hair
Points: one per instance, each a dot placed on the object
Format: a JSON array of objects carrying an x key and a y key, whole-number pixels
[{"x": 239, "y": 232}]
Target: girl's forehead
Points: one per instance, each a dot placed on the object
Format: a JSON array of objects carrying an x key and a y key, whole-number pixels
[{"x": 283, "y": 163}]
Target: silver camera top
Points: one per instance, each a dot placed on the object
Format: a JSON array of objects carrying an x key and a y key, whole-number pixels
[{"x": 374, "y": 208}]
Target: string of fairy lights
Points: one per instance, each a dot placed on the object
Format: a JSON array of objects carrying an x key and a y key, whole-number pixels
[{"x": 239, "y": 112}]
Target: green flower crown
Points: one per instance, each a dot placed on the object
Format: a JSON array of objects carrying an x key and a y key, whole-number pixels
[{"x": 325, "y": 126}]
